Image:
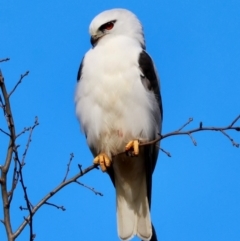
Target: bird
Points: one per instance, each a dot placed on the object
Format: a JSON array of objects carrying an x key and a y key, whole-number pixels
[{"x": 119, "y": 107}]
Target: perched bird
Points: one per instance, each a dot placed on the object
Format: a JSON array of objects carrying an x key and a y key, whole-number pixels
[{"x": 118, "y": 104}]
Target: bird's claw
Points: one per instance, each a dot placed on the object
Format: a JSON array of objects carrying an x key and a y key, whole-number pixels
[
  {"x": 134, "y": 144},
  {"x": 103, "y": 160}
]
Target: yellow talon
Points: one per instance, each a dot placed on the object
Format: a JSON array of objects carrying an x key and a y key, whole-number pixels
[
  {"x": 103, "y": 160},
  {"x": 133, "y": 145}
]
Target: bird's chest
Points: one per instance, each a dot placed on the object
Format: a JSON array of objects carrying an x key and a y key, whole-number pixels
[
  {"x": 111, "y": 82},
  {"x": 111, "y": 99}
]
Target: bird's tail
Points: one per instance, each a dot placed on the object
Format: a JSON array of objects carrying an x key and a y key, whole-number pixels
[{"x": 133, "y": 215}]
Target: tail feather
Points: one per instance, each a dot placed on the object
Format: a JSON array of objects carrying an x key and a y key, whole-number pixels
[{"x": 133, "y": 215}]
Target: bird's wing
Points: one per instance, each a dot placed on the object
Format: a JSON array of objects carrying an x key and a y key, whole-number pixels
[
  {"x": 150, "y": 78},
  {"x": 151, "y": 82},
  {"x": 79, "y": 74}
]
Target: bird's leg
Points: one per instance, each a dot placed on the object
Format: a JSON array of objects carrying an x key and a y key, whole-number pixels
[
  {"x": 134, "y": 144},
  {"x": 103, "y": 160}
]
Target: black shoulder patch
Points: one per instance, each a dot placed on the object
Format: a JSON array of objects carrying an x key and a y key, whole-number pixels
[
  {"x": 80, "y": 71},
  {"x": 147, "y": 67}
]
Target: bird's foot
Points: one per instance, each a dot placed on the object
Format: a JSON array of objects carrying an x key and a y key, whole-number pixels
[
  {"x": 103, "y": 160},
  {"x": 134, "y": 145}
]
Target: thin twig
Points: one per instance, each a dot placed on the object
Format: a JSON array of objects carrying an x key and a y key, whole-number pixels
[
  {"x": 234, "y": 121},
  {"x": 68, "y": 166},
  {"x": 233, "y": 142},
  {"x": 80, "y": 167},
  {"x": 29, "y": 205},
  {"x": 166, "y": 152},
  {"x": 193, "y": 140},
  {"x": 189, "y": 120},
  {"x": 4, "y": 132},
  {"x": 23, "y": 131},
  {"x": 19, "y": 82},
  {"x": 90, "y": 188},
  {"x": 4, "y": 60},
  {"x": 56, "y": 206},
  {"x": 2, "y": 105},
  {"x": 14, "y": 181},
  {"x": 29, "y": 140},
  {"x": 23, "y": 208}
]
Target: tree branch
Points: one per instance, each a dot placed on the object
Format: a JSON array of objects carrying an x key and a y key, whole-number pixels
[
  {"x": 56, "y": 206},
  {"x": 36, "y": 123},
  {"x": 18, "y": 83},
  {"x": 68, "y": 166},
  {"x": 51, "y": 194},
  {"x": 4, "y": 60},
  {"x": 200, "y": 128},
  {"x": 12, "y": 148},
  {"x": 5, "y": 168},
  {"x": 4, "y": 132},
  {"x": 90, "y": 188}
]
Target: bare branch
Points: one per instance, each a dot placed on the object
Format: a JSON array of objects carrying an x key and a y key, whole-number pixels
[
  {"x": 36, "y": 123},
  {"x": 1, "y": 103},
  {"x": 80, "y": 168},
  {"x": 4, "y": 60},
  {"x": 19, "y": 82},
  {"x": 56, "y": 206},
  {"x": 200, "y": 128},
  {"x": 51, "y": 194},
  {"x": 14, "y": 181},
  {"x": 233, "y": 142},
  {"x": 23, "y": 208},
  {"x": 29, "y": 205},
  {"x": 23, "y": 131},
  {"x": 190, "y": 120},
  {"x": 90, "y": 188},
  {"x": 166, "y": 152},
  {"x": 5, "y": 168},
  {"x": 4, "y": 132},
  {"x": 234, "y": 121},
  {"x": 12, "y": 148},
  {"x": 194, "y": 142},
  {"x": 68, "y": 166}
]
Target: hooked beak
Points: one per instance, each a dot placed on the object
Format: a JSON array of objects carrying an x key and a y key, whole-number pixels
[{"x": 94, "y": 39}]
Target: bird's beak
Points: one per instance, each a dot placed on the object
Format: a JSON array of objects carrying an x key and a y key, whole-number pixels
[{"x": 94, "y": 39}]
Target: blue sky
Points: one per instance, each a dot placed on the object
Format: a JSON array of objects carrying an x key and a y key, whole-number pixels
[{"x": 196, "y": 48}]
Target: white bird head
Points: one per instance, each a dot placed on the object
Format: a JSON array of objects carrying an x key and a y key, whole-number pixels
[{"x": 116, "y": 22}]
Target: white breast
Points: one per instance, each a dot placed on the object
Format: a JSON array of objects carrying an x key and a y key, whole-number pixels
[{"x": 111, "y": 103}]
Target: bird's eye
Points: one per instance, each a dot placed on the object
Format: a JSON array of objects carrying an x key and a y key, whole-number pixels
[{"x": 107, "y": 26}]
